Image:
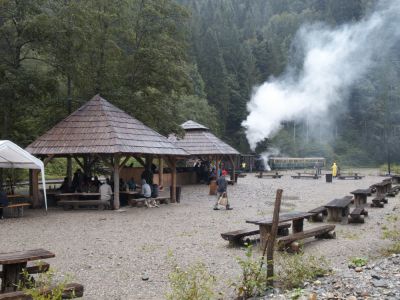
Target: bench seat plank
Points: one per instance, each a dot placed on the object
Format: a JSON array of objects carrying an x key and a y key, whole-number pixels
[
  {"x": 71, "y": 290},
  {"x": 237, "y": 235},
  {"x": 318, "y": 232}
]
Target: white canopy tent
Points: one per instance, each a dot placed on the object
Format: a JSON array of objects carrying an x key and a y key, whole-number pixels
[{"x": 13, "y": 156}]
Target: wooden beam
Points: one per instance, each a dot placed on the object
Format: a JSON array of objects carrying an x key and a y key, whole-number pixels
[
  {"x": 48, "y": 159},
  {"x": 79, "y": 163},
  {"x": 116, "y": 181},
  {"x": 124, "y": 162},
  {"x": 140, "y": 160}
]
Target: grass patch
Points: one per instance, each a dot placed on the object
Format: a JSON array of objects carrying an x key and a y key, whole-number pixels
[
  {"x": 358, "y": 262},
  {"x": 295, "y": 269},
  {"x": 191, "y": 283}
]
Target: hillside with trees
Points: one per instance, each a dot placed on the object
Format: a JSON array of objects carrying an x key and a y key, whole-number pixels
[{"x": 166, "y": 61}]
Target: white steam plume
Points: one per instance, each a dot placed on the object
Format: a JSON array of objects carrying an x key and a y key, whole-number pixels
[{"x": 334, "y": 59}]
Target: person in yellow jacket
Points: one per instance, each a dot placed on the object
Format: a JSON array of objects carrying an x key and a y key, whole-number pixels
[{"x": 334, "y": 169}]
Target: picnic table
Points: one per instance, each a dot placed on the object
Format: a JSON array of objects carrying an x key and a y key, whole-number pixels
[
  {"x": 13, "y": 264},
  {"x": 348, "y": 176},
  {"x": 396, "y": 179},
  {"x": 306, "y": 176},
  {"x": 383, "y": 187},
  {"x": 16, "y": 204},
  {"x": 297, "y": 219},
  {"x": 74, "y": 200},
  {"x": 269, "y": 175},
  {"x": 338, "y": 209},
  {"x": 360, "y": 196}
]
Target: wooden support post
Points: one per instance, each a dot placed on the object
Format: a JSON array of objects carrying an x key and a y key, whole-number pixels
[
  {"x": 271, "y": 240},
  {"x": 217, "y": 166},
  {"x": 35, "y": 188},
  {"x": 232, "y": 160},
  {"x": 79, "y": 163},
  {"x": 161, "y": 172},
  {"x": 69, "y": 169},
  {"x": 116, "y": 181},
  {"x": 172, "y": 165}
]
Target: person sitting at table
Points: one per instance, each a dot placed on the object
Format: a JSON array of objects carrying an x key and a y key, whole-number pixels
[
  {"x": 3, "y": 202},
  {"x": 96, "y": 182},
  {"x": 77, "y": 181},
  {"x": 106, "y": 192},
  {"x": 122, "y": 185},
  {"x": 64, "y": 188},
  {"x": 131, "y": 184},
  {"x": 146, "y": 193}
]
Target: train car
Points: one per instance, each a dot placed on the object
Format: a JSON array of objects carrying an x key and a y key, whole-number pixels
[{"x": 279, "y": 163}]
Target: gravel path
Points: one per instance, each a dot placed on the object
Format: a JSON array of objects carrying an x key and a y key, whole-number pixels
[{"x": 109, "y": 252}]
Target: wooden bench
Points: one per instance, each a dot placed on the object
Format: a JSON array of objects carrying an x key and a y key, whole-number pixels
[
  {"x": 159, "y": 199},
  {"x": 319, "y": 214},
  {"x": 269, "y": 175},
  {"x": 322, "y": 232},
  {"x": 306, "y": 176},
  {"x": 357, "y": 215},
  {"x": 379, "y": 201},
  {"x": 393, "y": 192},
  {"x": 71, "y": 290},
  {"x": 236, "y": 237},
  {"x": 355, "y": 177},
  {"x": 19, "y": 207},
  {"x": 75, "y": 204},
  {"x": 42, "y": 267},
  {"x": 242, "y": 175}
]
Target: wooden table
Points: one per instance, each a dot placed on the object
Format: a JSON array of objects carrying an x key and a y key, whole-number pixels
[
  {"x": 338, "y": 209},
  {"x": 297, "y": 219},
  {"x": 13, "y": 264},
  {"x": 396, "y": 179},
  {"x": 383, "y": 187},
  {"x": 360, "y": 197}
]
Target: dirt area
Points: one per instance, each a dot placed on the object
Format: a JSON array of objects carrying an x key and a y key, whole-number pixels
[{"x": 109, "y": 252}]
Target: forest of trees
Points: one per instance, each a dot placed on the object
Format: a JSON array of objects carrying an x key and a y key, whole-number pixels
[{"x": 166, "y": 61}]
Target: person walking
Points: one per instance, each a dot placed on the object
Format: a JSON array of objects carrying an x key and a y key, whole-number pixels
[{"x": 222, "y": 185}]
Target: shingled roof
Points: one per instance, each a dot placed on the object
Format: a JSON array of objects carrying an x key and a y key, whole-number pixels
[
  {"x": 198, "y": 140},
  {"x": 100, "y": 127}
]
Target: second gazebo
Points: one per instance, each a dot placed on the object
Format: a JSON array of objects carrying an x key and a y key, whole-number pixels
[{"x": 199, "y": 142}]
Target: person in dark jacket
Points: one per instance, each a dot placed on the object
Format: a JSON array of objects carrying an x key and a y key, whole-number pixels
[{"x": 222, "y": 191}]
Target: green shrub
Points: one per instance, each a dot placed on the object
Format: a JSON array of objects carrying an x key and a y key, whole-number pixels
[
  {"x": 358, "y": 262},
  {"x": 191, "y": 283},
  {"x": 295, "y": 269},
  {"x": 253, "y": 280},
  {"x": 43, "y": 287}
]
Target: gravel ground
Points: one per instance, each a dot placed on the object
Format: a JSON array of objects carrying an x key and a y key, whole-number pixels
[{"x": 110, "y": 252}]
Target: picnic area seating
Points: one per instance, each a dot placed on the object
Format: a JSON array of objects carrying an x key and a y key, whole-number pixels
[
  {"x": 379, "y": 201},
  {"x": 393, "y": 191},
  {"x": 141, "y": 201},
  {"x": 14, "y": 263},
  {"x": 17, "y": 209},
  {"x": 306, "y": 176},
  {"x": 357, "y": 215},
  {"x": 237, "y": 237},
  {"x": 269, "y": 175},
  {"x": 70, "y": 291},
  {"x": 318, "y": 214},
  {"x": 75, "y": 204},
  {"x": 354, "y": 176},
  {"x": 321, "y": 232},
  {"x": 338, "y": 209}
]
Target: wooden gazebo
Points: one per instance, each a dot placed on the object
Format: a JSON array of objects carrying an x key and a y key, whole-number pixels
[
  {"x": 100, "y": 131},
  {"x": 199, "y": 142}
]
